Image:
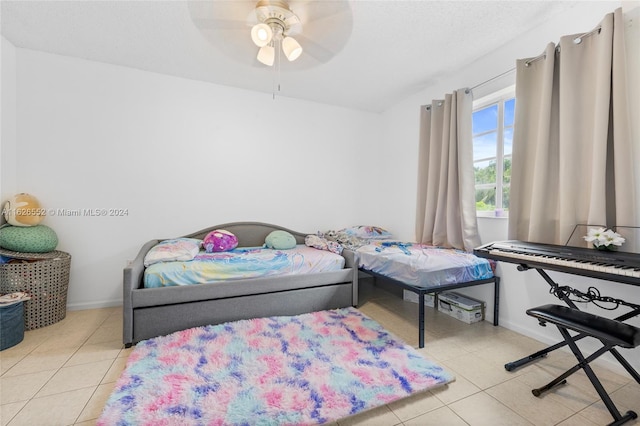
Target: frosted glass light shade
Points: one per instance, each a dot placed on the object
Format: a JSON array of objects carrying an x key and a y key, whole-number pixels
[
  {"x": 291, "y": 48},
  {"x": 266, "y": 55},
  {"x": 261, "y": 34}
]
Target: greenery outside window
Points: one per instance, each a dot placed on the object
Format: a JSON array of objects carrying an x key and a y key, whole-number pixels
[{"x": 493, "y": 118}]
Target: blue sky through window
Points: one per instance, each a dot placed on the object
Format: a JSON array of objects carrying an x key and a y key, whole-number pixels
[
  {"x": 509, "y": 110},
  {"x": 484, "y": 146},
  {"x": 485, "y": 119},
  {"x": 508, "y": 141},
  {"x": 485, "y": 125},
  {"x": 492, "y": 149}
]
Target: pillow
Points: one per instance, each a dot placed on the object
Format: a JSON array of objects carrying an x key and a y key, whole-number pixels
[
  {"x": 177, "y": 249},
  {"x": 367, "y": 232},
  {"x": 219, "y": 240},
  {"x": 28, "y": 239},
  {"x": 280, "y": 240}
]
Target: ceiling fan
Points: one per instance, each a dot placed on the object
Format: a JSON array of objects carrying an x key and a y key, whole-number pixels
[{"x": 259, "y": 32}]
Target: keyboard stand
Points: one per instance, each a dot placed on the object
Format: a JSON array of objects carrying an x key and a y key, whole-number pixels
[{"x": 510, "y": 366}]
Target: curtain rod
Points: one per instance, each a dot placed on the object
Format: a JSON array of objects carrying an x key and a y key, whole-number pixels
[
  {"x": 543, "y": 55},
  {"x": 468, "y": 90},
  {"x": 576, "y": 40},
  {"x": 491, "y": 79}
]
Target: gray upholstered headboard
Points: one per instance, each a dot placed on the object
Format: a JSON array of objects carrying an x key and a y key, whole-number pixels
[{"x": 249, "y": 234}]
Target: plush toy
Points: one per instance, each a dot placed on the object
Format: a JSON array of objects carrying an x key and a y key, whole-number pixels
[
  {"x": 219, "y": 240},
  {"x": 23, "y": 210},
  {"x": 280, "y": 240}
]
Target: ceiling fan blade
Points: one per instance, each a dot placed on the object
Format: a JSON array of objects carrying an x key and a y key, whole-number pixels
[
  {"x": 326, "y": 28},
  {"x": 317, "y": 51},
  {"x": 223, "y": 14},
  {"x": 315, "y": 10},
  {"x": 220, "y": 24},
  {"x": 226, "y": 26}
]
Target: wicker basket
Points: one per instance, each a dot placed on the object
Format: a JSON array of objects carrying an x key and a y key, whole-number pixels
[{"x": 45, "y": 277}]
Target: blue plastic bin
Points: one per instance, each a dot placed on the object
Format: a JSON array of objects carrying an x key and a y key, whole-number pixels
[{"x": 11, "y": 325}]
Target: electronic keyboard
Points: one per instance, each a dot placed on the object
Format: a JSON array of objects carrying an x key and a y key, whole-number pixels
[{"x": 616, "y": 266}]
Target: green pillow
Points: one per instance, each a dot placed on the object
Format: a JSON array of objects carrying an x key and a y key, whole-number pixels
[
  {"x": 28, "y": 239},
  {"x": 280, "y": 240}
]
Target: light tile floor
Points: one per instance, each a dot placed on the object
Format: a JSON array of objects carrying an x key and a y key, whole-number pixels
[{"x": 63, "y": 374}]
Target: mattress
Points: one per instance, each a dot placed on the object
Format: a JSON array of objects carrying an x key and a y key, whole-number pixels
[
  {"x": 242, "y": 263},
  {"x": 421, "y": 265}
]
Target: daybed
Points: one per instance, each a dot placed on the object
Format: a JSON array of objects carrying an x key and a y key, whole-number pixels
[
  {"x": 419, "y": 268},
  {"x": 151, "y": 312}
]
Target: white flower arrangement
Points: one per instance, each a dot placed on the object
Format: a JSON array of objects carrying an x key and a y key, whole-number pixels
[{"x": 603, "y": 238}]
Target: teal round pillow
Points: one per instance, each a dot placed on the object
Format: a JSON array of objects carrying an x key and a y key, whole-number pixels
[
  {"x": 28, "y": 239},
  {"x": 280, "y": 240}
]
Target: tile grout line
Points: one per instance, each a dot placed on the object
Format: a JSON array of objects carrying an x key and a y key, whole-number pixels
[{"x": 57, "y": 370}]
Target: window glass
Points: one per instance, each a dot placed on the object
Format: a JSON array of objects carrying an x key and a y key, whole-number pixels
[
  {"x": 485, "y": 171},
  {"x": 508, "y": 141},
  {"x": 505, "y": 198},
  {"x": 509, "y": 111},
  {"x": 485, "y": 119},
  {"x": 486, "y": 199},
  {"x": 506, "y": 173},
  {"x": 493, "y": 124},
  {"x": 484, "y": 146}
]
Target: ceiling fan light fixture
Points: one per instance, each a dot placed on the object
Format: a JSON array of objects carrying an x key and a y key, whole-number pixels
[
  {"x": 291, "y": 48},
  {"x": 266, "y": 55},
  {"x": 261, "y": 34}
]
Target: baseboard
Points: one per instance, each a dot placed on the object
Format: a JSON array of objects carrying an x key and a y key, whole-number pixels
[{"x": 94, "y": 305}]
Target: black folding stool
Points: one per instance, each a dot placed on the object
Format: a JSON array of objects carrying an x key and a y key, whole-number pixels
[{"x": 610, "y": 332}]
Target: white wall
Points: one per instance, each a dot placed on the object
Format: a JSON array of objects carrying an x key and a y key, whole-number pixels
[
  {"x": 7, "y": 119},
  {"x": 519, "y": 290},
  {"x": 179, "y": 156}
]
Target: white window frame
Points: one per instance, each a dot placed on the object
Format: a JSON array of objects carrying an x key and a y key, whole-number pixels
[{"x": 498, "y": 97}]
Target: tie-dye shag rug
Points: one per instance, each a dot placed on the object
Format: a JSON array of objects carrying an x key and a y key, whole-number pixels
[{"x": 301, "y": 370}]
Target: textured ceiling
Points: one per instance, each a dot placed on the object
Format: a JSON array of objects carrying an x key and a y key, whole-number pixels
[{"x": 381, "y": 51}]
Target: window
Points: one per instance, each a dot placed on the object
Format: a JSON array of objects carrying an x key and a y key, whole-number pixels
[{"x": 492, "y": 145}]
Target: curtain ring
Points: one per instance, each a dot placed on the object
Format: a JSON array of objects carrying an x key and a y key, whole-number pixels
[
  {"x": 543, "y": 56},
  {"x": 578, "y": 39}
]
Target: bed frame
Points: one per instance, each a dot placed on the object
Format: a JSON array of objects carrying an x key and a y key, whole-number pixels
[
  {"x": 437, "y": 289},
  {"x": 151, "y": 312}
]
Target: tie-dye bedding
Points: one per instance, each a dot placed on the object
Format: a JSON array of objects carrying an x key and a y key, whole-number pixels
[
  {"x": 242, "y": 263},
  {"x": 415, "y": 264},
  {"x": 422, "y": 265}
]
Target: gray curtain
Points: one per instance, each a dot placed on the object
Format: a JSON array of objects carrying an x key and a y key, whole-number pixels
[
  {"x": 572, "y": 150},
  {"x": 446, "y": 209}
]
